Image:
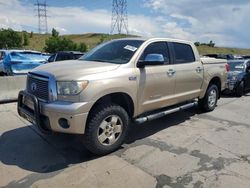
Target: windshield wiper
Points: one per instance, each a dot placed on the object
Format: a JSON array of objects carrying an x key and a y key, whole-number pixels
[{"x": 98, "y": 60}]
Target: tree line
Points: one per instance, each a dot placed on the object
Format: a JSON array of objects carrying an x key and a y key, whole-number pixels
[{"x": 12, "y": 39}]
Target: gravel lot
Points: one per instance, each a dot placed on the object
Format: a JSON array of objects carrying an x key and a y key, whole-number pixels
[{"x": 185, "y": 149}]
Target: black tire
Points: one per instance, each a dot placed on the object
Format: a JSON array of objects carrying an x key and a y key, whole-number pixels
[
  {"x": 239, "y": 90},
  {"x": 98, "y": 115},
  {"x": 204, "y": 104}
]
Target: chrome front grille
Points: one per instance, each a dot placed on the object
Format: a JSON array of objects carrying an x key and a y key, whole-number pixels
[{"x": 38, "y": 86}]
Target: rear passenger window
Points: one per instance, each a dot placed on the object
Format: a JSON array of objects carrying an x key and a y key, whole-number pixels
[
  {"x": 157, "y": 48},
  {"x": 183, "y": 53}
]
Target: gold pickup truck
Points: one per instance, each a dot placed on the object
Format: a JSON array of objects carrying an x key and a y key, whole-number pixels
[{"x": 118, "y": 82}]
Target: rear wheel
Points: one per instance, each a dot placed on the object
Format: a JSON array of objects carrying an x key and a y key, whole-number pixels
[
  {"x": 209, "y": 102},
  {"x": 239, "y": 91},
  {"x": 106, "y": 129}
]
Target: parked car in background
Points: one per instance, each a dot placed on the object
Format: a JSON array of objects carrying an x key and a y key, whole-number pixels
[
  {"x": 224, "y": 56},
  {"x": 246, "y": 56},
  {"x": 65, "y": 55},
  {"x": 219, "y": 56},
  {"x": 237, "y": 57},
  {"x": 239, "y": 76},
  {"x": 21, "y": 61}
]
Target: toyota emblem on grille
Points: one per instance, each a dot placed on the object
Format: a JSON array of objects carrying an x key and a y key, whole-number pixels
[{"x": 33, "y": 86}]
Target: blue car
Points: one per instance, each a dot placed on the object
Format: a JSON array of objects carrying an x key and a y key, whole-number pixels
[{"x": 16, "y": 62}]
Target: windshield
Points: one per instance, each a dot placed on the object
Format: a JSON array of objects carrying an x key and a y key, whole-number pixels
[
  {"x": 118, "y": 52},
  {"x": 236, "y": 66}
]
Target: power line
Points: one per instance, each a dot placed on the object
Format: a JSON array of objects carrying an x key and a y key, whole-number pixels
[
  {"x": 42, "y": 16},
  {"x": 119, "y": 19}
]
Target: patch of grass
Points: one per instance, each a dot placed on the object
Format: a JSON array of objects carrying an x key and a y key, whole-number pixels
[{"x": 37, "y": 42}]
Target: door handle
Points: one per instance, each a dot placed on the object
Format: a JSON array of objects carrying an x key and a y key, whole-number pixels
[
  {"x": 199, "y": 69},
  {"x": 171, "y": 72}
]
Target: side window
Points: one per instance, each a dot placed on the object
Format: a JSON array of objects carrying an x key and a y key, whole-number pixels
[
  {"x": 157, "y": 48},
  {"x": 183, "y": 53}
]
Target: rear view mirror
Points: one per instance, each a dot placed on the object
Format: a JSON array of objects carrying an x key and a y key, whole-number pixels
[{"x": 151, "y": 59}]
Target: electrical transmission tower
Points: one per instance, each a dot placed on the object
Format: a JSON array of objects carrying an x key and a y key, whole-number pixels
[
  {"x": 41, "y": 9},
  {"x": 119, "y": 19}
]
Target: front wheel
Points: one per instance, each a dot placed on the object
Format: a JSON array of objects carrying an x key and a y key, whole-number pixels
[
  {"x": 209, "y": 102},
  {"x": 106, "y": 129}
]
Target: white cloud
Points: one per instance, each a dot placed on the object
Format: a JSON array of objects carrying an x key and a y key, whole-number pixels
[
  {"x": 224, "y": 21},
  {"x": 71, "y": 19}
]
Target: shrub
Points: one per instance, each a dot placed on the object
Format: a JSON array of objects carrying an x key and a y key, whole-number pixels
[
  {"x": 10, "y": 39},
  {"x": 56, "y": 43}
]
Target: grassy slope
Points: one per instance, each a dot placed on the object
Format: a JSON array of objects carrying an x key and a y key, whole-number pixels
[{"x": 37, "y": 42}]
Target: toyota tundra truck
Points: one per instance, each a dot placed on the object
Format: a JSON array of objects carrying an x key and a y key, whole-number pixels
[{"x": 118, "y": 83}]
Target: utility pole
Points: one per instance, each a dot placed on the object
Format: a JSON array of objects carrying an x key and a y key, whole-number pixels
[
  {"x": 41, "y": 9},
  {"x": 119, "y": 19}
]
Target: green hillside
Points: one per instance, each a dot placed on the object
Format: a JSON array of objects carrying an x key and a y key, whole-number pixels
[{"x": 37, "y": 42}]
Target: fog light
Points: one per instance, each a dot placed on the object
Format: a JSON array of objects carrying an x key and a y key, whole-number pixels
[{"x": 64, "y": 123}]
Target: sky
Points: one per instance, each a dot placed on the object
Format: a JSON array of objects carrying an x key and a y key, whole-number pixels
[{"x": 226, "y": 22}]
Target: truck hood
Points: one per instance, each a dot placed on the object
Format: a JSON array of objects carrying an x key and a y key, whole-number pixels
[{"x": 75, "y": 69}]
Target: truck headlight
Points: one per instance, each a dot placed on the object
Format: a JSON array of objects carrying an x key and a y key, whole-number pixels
[{"x": 71, "y": 87}]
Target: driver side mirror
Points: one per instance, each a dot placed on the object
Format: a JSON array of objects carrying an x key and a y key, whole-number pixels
[{"x": 151, "y": 59}]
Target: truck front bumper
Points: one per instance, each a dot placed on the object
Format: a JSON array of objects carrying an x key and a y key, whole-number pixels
[{"x": 58, "y": 116}]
